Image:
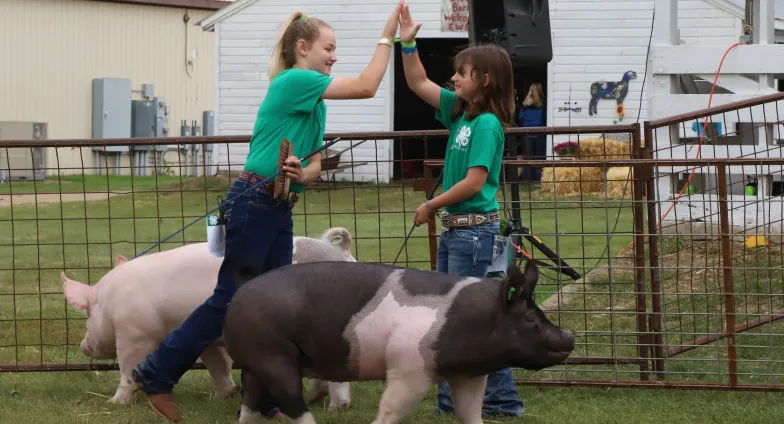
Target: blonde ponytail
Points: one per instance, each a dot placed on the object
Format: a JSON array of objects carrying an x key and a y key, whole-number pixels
[
  {"x": 297, "y": 26},
  {"x": 535, "y": 96}
]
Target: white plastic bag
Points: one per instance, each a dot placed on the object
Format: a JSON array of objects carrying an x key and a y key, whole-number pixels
[
  {"x": 500, "y": 261},
  {"x": 216, "y": 236}
]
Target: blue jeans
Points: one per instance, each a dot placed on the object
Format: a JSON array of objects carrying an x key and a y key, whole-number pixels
[
  {"x": 259, "y": 237},
  {"x": 468, "y": 252},
  {"x": 537, "y": 150}
]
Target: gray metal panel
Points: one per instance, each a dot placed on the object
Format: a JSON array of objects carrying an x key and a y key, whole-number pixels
[
  {"x": 161, "y": 121},
  {"x": 185, "y": 131},
  {"x": 111, "y": 111},
  {"x": 23, "y": 163},
  {"x": 143, "y": 121},
  {"x": 148, "y": 90},
  {"x": 208, "y": 121}
]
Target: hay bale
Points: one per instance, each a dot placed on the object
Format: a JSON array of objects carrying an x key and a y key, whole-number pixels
[
  {"x": 602, "y": 149},
  {"x": 619, "y": 182},
  {"x": 572, "y": 180}
]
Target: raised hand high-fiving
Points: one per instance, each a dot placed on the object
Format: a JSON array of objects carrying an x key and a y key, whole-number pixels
[
  {"x": 408, "y": 28},
  {"x": 392, "y": 22}
]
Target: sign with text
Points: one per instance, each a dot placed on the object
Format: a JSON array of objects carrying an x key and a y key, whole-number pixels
[{"x": 454, "y": 15}]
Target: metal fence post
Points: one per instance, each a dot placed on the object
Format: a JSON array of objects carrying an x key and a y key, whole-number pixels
[
  {"x": 726, "y": 266},
  {"x": 639, "y": 255},
  {"x": 655, "y": 318}
]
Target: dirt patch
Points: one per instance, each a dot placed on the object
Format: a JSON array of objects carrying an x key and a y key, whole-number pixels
[
  {"x": 27, "y": 199},
  {"x": 569, "y": 292}
]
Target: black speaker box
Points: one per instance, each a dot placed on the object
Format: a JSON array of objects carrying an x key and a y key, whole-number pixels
[{"x": 522, "y": 27}]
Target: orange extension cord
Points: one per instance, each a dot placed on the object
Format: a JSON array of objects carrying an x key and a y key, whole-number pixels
[{"x": 699, "y": 149}]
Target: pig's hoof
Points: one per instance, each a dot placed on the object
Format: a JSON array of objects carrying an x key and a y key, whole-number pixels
[
  {"x": 123, "y": 398},
  {"x": 341, "y": 406},
  {"x": 226, "y": 392}
]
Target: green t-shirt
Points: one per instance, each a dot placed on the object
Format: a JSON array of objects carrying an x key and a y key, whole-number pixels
[
  {"x": 293, "y": 109},
  {"x": 479, "y": 142}
]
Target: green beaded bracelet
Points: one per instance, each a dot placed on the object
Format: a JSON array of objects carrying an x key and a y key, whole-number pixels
[{"x": 404, "y": 44}]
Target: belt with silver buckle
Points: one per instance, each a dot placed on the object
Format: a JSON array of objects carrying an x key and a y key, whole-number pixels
[{"x": 469, "y": 219}]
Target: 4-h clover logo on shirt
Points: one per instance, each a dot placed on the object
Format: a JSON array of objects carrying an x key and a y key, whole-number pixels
[
  {"x": 213, "y": 220},
  {"x": 461, "y": 140}
]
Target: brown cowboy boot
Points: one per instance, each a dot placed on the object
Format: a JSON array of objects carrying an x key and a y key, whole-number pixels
[{"x": 163, "y": 405}]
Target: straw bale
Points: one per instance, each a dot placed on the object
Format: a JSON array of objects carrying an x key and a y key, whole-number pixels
[
  {"x": 619, "y": 183},
  {"x": 572, "y": 180},
  {"x": 602, "y": 149}
]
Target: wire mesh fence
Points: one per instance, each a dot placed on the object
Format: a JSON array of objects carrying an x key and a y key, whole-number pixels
[
  {"x": 718, "y": 226},
  {"x": 651, "y": 301},
  {"x": 97, "y": 201},
  {"x": 708, "y": 254}
]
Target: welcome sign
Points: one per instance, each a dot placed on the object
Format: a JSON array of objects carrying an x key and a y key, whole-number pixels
[{"x": 454, "y": 15}]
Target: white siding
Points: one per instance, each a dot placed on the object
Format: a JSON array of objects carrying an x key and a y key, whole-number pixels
[
  {"x": 245, "y": 41},
  {"x": 601, "y": 40}
]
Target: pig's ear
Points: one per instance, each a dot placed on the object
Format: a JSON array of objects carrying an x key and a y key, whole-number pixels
[
  {"x": 530, "y": 278},
  {"x": 79, "y": 295},
  {"x": 340, "y": 237},
  {"x": 120, "y": 260},
  {"x": 520, "y": 286}
]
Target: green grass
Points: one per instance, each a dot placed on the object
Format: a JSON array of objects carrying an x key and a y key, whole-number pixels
[
  {"x": 37, "y": 241},
  {"x": 96, "y": 184},
  {"x": 78, "y": 397}
]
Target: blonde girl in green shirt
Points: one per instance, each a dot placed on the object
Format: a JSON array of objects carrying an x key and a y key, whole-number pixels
[
  {"x": 476, "y": 114},
  {"x": 259, "y": 228}
]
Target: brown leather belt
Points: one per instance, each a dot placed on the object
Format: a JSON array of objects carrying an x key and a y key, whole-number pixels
[
  {"x": 469, "y": 219},
  {"x": 265, "y": 184}
]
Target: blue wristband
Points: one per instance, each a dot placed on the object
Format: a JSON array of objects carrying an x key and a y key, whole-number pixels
[{"x": 408, "y": 50}]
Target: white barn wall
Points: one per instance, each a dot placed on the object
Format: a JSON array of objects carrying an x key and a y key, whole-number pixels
[
  {"x": 245, "y": 41},
  {"x": 600, "y": 40}
]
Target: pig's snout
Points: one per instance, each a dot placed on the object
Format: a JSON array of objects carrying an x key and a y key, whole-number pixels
[
  {"x": 85, "y": 348},
  {"x": 560, "y": 343},
  {"x": 565, "y": 342}
]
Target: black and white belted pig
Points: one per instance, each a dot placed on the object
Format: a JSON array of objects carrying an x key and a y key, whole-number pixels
[{"x": 351, "y": 321}]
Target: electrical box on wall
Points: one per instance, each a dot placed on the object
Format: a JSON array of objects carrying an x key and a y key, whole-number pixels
[
  {"x": 23, "y": 163},
  {"x": 161, "y": 120},
  {"x": 142, "y": 122},
  {"x": 111, "y": 114},
  {"x": 208, "y": 121},
  {"x": 147, "y": 90},
  {"x": 149, "y": 119},
  {"x": 161, "y": 117}
]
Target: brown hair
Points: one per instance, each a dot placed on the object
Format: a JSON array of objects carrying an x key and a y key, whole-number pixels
[
  {"x": 297, "y": 26},
  {"x": 535, "y": 96},
  {"x": 498, "y": 97}
]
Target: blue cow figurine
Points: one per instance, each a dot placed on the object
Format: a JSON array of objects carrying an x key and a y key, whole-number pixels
[{"x": 611, "y": 90}]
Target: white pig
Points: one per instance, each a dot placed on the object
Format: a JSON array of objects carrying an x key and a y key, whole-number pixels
[
  {"x": 138, "y": 303},
  {"x": 308, "y": 249}
]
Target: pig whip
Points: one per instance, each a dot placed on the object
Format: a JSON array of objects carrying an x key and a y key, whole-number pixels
[
  {"x": 429, "y": 197},
  {"x": 309, "y": 155}
]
